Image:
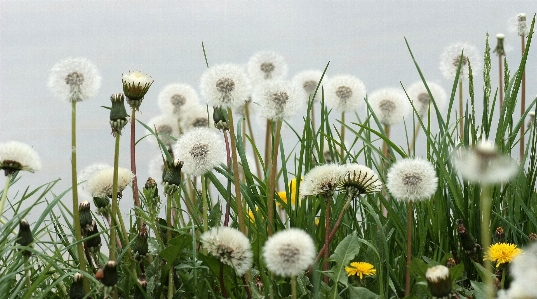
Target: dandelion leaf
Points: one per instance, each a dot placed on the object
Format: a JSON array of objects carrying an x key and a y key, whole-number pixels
[{"x": 344, "y": 253}]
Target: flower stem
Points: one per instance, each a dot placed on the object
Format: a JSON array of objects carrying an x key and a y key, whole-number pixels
[
  {"x": 27, "y": 273},
  {"x": 293, "y": 287},
  {"x": 228, "y": 160},
  {"x": 522, "y": 102},
  {"x": 133, "y": 165},
  {"x": 408, "y": 248},
  {"x": 238, "y": 198},
  {"x": 4, "y": 194},
  {"x": 74, "y": 185},
  {"x": 221, "y": 278},
  {"x": 342, "y": 152},
  {"x": 205, "y": 203},
  {"x": 485, "y": 205},
  {"x": 249, "y": 124},
  {"x": 114, "y": 211},
  {"x": 272, "y": 179},
  {"x": 169, "y": 237},
  {"x": 327, "y": 237},
  {"x": 461, "y": 112}
]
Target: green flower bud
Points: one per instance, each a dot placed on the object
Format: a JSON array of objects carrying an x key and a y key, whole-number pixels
[
  {"x": 172, "y": 176},
  {"x": 118, "y": 115},
  {"x": 141, "y": 247},
  {"x": 25, "y": 237},
  {"x": 94, "y": 242},
  {"x": 110, "y": 276},
  {"x": 220, "y": 119},
  {"x": 141, "y": 289},
  {"x": 85, "y": 217},
  {"x": 77, "y": 287}
]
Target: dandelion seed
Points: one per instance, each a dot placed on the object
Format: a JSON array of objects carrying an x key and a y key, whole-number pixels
[
  {"x": 16, "y": 156},
  {"x": 360, "y": 269},
  {"x": 344, "y": 93},
  {"x": 412, "y": 179},
  {"x": 278, "y": 100},
  {"x": 438, "y": 281},
  {"x": 420, "y": 97},
  {"x": 451, "y": 57},
  {"x": 289, "y": 252},
  {"x": 166, "y": 127},
  {"x": 200, "y": 149},
  {"x": 501, "y": 253},
  {"x": 230, "y": 246},
  {"x": 358, "y": 179},
  {"x": 523, "y": 269},
  {"x": 308, "y": 80},
  {"x": 321, "y": 180},
  {"x": 74, "y": 79},
  {"x": 390, "y": 105},
  {"x": 100, "y": 184},
  {"x": 267, "y": 65},
  {"x": 177, "y": 98},
  {"x": 225, "y": 86}
]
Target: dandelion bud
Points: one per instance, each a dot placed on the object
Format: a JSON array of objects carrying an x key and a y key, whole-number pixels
[
  {"x": 451, "y": 262},
  {"x": 151, "y": 187},
  {"x": 140, "y": 289},
  {"x": 531, "y": 119},
  {"x": 77, "y": 287},
  {"x": 118, "y": 115},
  {"x": 135, "y": 86},
  {"x": 110, "y": 274},
  {"x": 438, "y": 281},
  {"x": 94, "y": 242},
  {"x": 85, "y": 216},
  {"x": 141, "y": 247},
  {"x": 102, "y": 203},
  {"x": 468, "y": 241},
  {"x": 172, "y": 176},
  {"x": 500, "y": 50},
  {"x": 220, "y": 119},
  {"x": 499, "y": 235},
  {"x": 532, "y": 237},
  {"x": 25, "y": 237}
]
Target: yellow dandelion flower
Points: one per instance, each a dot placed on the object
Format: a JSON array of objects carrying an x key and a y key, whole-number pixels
[
  {"x": 292, "y": 191},
  {"x": 252, "y": 216},
  {"x": 501, "y": 253},
  {"x": 360, "y": 269}
]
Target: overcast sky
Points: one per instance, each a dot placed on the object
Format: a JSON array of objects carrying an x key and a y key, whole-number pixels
[{"x": 163, "y": 39}]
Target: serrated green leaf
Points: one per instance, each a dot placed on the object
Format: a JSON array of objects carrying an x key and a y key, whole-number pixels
[
  {"x": 479, "y": 290},
  {"x": 344, "y": 253},
  {"x": 361, "y": 293},
  {"x": 176, "y": 245}
]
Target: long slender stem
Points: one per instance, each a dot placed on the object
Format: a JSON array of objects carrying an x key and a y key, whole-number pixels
[
  {"x": 228, "y": 160},
  {"x": 268, "y": 133},
  {"x": 249, "y": 124},
  {"x": 27, "y": 273},
  {"x": 272, "y": 179},
  {"x": 221, "y": 279},
  {"x": 293, "y": 287},
  {"x": 4, "y": 194},
  {"x": 205, "y": 203},
  {"x": 485, "y": 205},
  {"x": 413, "y": 144},
  {"x": 408, "y": 247},
  {"x": 342, "y": 152},
  {"x": 169, "y": 237},
  {"x": 500, "y": 75},
  {"x": 327, "y": 237},
  {"x": 238, "y": 197},
  {"x": 133, "y": 165},
  {"x": 522, "y": 103},
  {"x": 461, "y": 112},
  {"x": 74, "y": 184},
  {"x": 114, "y": 212}
]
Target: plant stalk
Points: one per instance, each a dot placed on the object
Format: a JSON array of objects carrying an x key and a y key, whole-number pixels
[
  {"x": 272, "y": 179},
  {"x": 408, "y": 248},
  {"x": 205, "y": 203},
  {"x": 238, "y": 198},
  {"x": 4, "y": 194},
  {"x": 522, "y": 102},
  {"x": 461, "y": 112},
  {"x": 293, "y": 287},
  {"x": 135, "y": 192},
  {"x": 485, "y": 206}
]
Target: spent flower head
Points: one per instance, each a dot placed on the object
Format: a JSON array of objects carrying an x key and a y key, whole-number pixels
[
  {"x": 100, "y": 184},
  {"x": 417, "y": 92},
  {"x": 230, "y": 246},
  {"x": 360, "y": 269},
  {"x": 500, "y": 49},
  {"x": 412, "y": 179},
  {"x": 390, "y": 105},
  {"x": 358, "y": 179},
  {"x": 439, "y": 281},
  {"x": 135, "y": 86},
  {"x": 459, "y": 53},
  {"x": 344, "y": 93},
  {"x": 74, "y": 79},
  {"x": 309, "y": 80},
  {"x": 267, "y": 65},
  {"x": 518, "y": 25},
  {"x": 289, "y": 252},
  {"x": 278, "y": 100},
  {"x": 16, "y": 156},
  {"x": 322, "y": 180},
  {"x": 200, "y": 149},
  {"x": 501, "y": 253},
  {"x": 177, "y": 98},
  {"x": 225, "y": 86}
]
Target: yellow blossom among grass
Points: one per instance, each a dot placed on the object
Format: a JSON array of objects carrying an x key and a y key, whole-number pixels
[
  {"x": 292, "y": 191},
  {"x": 500, "y": 253},
  {"x": 251, "y": 214},
  {"x": 360, "y": 269}
]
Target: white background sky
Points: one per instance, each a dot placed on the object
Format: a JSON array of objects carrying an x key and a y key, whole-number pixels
[{"x": 163, "y": 39}]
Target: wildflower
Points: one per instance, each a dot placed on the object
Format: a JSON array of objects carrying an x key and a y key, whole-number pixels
[
  {"x": 25, "y": 237},
  {"x": 389, "y": 105},
  {"x": 412, "y": 179},
  {"x": 267, "y": 65},
  {"x": 308, "y": 80},
  {"x": 360, "y": 269},
  {"x": 278, "y": 100},
  {"x": 501, "y": 253},
  {"x": 100, "y": 184},
  {"x": 358, "y": 179},
  {"x": 292, "y": 191},
  {"x": 289, "y": 252},
  {"x": 523, "y": 269},
  {"x": 251, "y": 214},
  {"x": 76, "y": 291},
  {"x": 16, "y": 156},
  {"x": 135, "y": 86},
  {"x": 197, "y": 116},
  {"x": 225, "y": 86},
  {"x": 141, "y": 246},
  {"x": 230, "y": 246},
  {"x": 200, "y": 149},
  {"x": 110, "y": 276},
  {"x": 420, "y": 97},
  {"x": 485, "y": 164},
  {"x": 321, "y": 180},
  {"x": 453, "y": 55},
  {"x": 166, "y": 126},
  {"x": 344, "y": 93},
  {"x": 438, "y": 281},
  {"x": 74, "y": 79},
  {"x": 177, "y": 98}
]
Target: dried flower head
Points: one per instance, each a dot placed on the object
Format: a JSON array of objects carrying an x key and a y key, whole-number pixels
[
  {"x": 358, "y": 179},
  {"x": 390, "y": 105},
  {"x": 518, "y": 25},
  {"x": 309, "y": 80},
  {"x": 485, "y": 164},
  {"x": 177, "y": 98},
  {"x": 344, "y": 93},
  {"x": 100, "y": 184},
  {"x": 289, "y": 252},
  {"x": 412, "y": 179},
  {"x": 500, "y": 49},
  {"x": 197, "y": 116},
  {"x": 135, "y": 86},
  {"x": 200, "y": 149},
  {"x": 16, "y": 156},
  {"x": 360, "y": 269},
  {"x": 439, "y": 281},
  {"x": 421, "y": 100},
  {"x": 225, "y": 86},
  {"x": 322, "y": 180},
  {"x": 267, "y": 65},
  {"x": 453, "y": 55},
  {"x": 74, "y": 79},
  {"x": 230, "y": 246},
  {"x": 278, "y": 100},
  {"x": 166, "y": 126},
  {"x": 501, "y": 253}
]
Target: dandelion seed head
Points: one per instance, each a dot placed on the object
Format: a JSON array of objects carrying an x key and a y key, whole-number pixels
[
  {"x": 197, "y": 116},
  {"x": 438, "y": 281},
  {"x": 267, "y": 66},
  {"x": 358, "y": 179},
  {"x": 101, "y": 183},
  {"x": 289, "y": 252},
  {"x": 453, "y": 54},
  {"x": 322, "y": 180},
  {"x": 344, "y": 93},
  {"x": 74, "y": 79},
  {"x": 308, "y": 80},
  {"x": 85, "y": 175},
  {"x": 420, "y": 97},
  {"x": 200, "y": 149},
  {"x": 225, "y": 86},
  {"x": 412, "y": 179},
  {"x": 177, "y": 98},
  {"x": 16, "y": 156},
  {"x": 230, "y": 246},
  {"x": 278, "y": 100},
  {"x": 166, "y": 127},
  {"x": 390, "y": 105}
]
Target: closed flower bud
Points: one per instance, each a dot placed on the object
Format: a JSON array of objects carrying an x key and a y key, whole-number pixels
[
  {"x": 500, "y": 50},
  {"x": 499, "y": 235},
  {"x": 172, "y": 176},
  {"x": 110, "y": 274},
  {"x": 85, "y": 216},
  {"x": 135, "y": 86},
  {"x": 151, "y": 186},
  {"x": 438, "y": 281},
  {"x": 77, "y": 287},
  {"x": 141, "y": 247},
  {"x": 94, "y": 241},
  {"x": 102, "y": 203},
  {"x": 118, "y": 115},
  {"x": 25, "y": 237},
  {"x": 220, "y": 119},
  {"x": 467, "y": 241},
  {"x": 140, "y": 289},
  {"x": 532, "y": 237}
]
